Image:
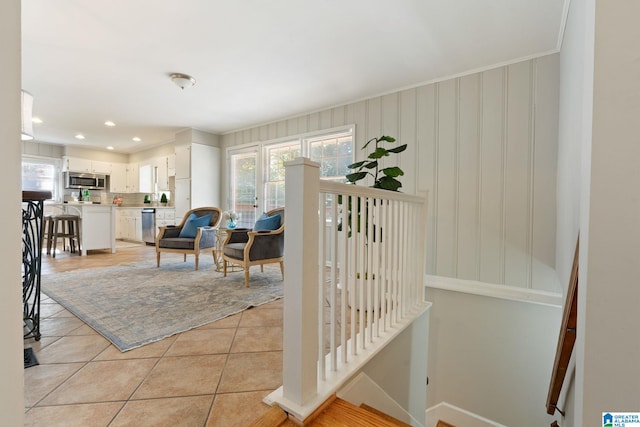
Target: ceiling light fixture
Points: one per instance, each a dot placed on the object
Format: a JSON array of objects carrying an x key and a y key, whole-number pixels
[
  {"x": 37, "y": 120},
  {"x": 26, "y": 100},
  {"x": 182, "y": 80},
  {"x": 109, "y": 123},
  {"x": 136, "y": 139},
  {"x": 79, "y": 136}
]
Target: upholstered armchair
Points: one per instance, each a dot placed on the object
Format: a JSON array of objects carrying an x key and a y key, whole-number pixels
[
  {"x": 264, "y": 244},
  {"x": 194, "y": 234}
]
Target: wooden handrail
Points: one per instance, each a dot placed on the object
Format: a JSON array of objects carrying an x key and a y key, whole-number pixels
[{"x": 566, "y": 338}]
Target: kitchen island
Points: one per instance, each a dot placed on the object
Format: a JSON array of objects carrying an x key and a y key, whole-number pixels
[{"x": 97, "y": 225}]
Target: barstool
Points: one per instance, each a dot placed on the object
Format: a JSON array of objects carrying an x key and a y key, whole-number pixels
[{"x": 63, "y": 226}]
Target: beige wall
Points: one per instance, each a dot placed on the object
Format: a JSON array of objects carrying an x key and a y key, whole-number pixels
[{"x": 485, "y": 147}]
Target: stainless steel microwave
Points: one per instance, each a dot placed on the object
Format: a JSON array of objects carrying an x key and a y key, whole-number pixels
[{"x": 89, "y": 181}]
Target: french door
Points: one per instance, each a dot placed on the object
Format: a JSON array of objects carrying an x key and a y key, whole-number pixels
[{"x": 244, "y": 174}]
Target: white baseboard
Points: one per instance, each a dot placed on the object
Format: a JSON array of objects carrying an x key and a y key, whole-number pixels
[
  {"x": 506, "y": 292},
  {"x": 458, "y": 417}
]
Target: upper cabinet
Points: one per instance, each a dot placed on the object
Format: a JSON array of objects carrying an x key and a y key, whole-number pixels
[
  {"x": 161, "y": 165},
  {"x": 75, "y": 164},
  {"x": 118, "y": 178}
]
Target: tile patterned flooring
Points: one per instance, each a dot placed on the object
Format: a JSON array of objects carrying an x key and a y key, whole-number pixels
[{"x": 214, "y": 375}]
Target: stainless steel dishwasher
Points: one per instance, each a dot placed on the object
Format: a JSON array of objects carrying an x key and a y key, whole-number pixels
[{"x": 149, "y": 226}]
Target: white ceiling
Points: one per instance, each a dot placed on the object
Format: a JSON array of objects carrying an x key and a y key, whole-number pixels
[{"x": 255, "y": 61}]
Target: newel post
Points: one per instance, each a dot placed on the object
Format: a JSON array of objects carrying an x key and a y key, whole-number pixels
[{"x": 300, "y": 371}]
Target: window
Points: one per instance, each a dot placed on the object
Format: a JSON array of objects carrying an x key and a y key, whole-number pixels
[
  {"x": 275, "y": 156},
  {"x": 40, "y": 175},
  {"x": 263, "y": 191},
  {"x": 334, "y": 153}
]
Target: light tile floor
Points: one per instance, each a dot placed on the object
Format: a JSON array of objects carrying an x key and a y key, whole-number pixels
[{"x": 214, "y": 375}]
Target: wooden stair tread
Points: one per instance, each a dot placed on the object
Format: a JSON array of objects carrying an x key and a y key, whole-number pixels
[
  {"x": 274, "y": 417},
  {"x": 344, "y": 414},
  {"x": 444, "y": 424},
  {"x": 384, "y": 415}
]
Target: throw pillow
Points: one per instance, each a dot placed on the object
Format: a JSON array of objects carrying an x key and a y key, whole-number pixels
[
  {"x": 190, "y": 228},
  {"x": 267, "y": 223}
]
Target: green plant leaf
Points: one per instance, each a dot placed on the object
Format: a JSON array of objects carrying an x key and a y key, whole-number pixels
[
  {"x": 388, "y": 183},
  {"x": 387, "y": 138},
  {"x": 356, "y": 165},
  {"x": 367, "y": 143},
  {"x": 356, "y": 176},
  {"x": 371, "y": 165},
  {"x": 392, "y": 171},
  {"x": 380, "y": 152},
  {"x": 398, "y": 149}
]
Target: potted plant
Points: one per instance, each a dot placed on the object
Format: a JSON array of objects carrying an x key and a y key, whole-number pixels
[
  {"x": 383, "y": 177},
  {"x": 163, "y": 199},
  {"x": 147, "y": 199}
]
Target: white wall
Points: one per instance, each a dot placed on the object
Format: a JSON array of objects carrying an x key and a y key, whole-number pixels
[
  {"x": 484, "y": 146},
  {"x": 491, "y": 356},
  {"x": 608, "y": 317},
  {"x": 11, "y": 362},
  {"x": 576, "y": 92}
]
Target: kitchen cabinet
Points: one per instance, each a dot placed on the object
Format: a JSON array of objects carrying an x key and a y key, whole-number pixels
[
  {"x": 75, "y": 164},
  {"x": 124, "y": 178},
  {"x": 171, "y": 165},
  {"x": 145, "y": 178},
  {"x": 197, "y": 177},
  {"x": 133, "y": 178},
  {"x": 162, "y": 172},
  {"x": 129, "y": 224},
  {"x": 118, "y": 178},
  {"x": 164, "y": 217},
  {"x": 97, "y": 225}
]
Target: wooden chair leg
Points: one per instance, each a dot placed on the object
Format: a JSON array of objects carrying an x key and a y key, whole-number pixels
[
  {"x": 282, "y": 269},
  {"x": 185, "y": 258},
  {"x": 246, "y": 277},
  {"x": 224, "y": 264},
  {"x": 158, "y": 258},
  {"x": 197, "y": 259}
]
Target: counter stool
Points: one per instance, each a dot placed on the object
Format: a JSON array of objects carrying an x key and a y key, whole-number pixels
[{"x": 63, "y": 226}]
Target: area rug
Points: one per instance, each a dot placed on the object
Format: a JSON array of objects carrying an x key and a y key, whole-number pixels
[{"x": 134, "y": 305}]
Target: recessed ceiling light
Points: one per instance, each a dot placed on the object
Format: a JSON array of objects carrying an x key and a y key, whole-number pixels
[
  {"x": 136, "y": 139},
  {"x": 37, "y": 120},
  {"x": 80, "y": 136},
  {"x": 109, "y": 123},
  {"x": 109, "y": 148}
]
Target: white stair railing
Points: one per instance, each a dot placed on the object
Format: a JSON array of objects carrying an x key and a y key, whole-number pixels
[{"x": 354, "y": 259}]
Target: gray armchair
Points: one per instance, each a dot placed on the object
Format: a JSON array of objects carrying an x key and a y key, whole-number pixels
[
  {"x": 193, "y": 235},
  {"x": 246, "y": 247}
]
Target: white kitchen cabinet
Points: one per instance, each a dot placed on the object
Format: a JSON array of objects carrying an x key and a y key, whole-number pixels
[
  {"x": 145, "y": 178},
  {"x": 133, "y": 183},
  {"x": 129, "y": 224},
  {"x": 75, "y": 164},
  {"x": 171, "y": 164},
  {"x": 164, "y": 217},
  {"x": 197, "y": 177},
  {"x": 102, "y": 168},
  {"x": 97, "y": 226},
  {"x": 162, "y": 172},
  {"x": 183, "y": 161},
  {"x": 118, "y": 178}
]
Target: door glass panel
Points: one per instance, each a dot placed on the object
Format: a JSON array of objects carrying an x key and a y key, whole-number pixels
[{"x": 243, "y": 187}]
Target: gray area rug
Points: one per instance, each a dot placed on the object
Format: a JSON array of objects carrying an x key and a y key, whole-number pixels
[{"x": 134, "y": 305}]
